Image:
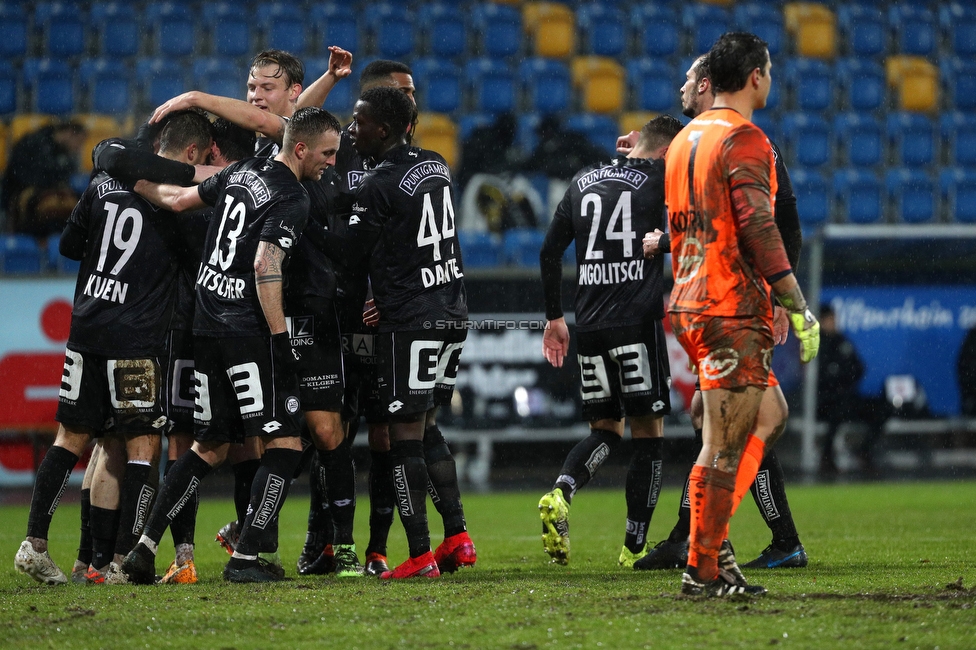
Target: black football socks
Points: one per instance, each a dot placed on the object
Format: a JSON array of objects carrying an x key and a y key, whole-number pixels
[
  {"x": 443, "y": 481},
  {"x": 177, "y": 492},
  {"x": 244, "y": 472},
  {"x": 268, "y": 492},
  {"x": 51, "y": 482},
  {"x": 584, "y": 460},
  {"x": 642, "y": 490},
  {"x": 136, "y": 496},
  {"x": 382, "y": 501},
  {"x": 769, "y": 491},
  {"x": 104, "y": 530},
  {"x": 184, "y": 523},
  {"x": 320, "y": 526},
  {"x": 410, "y": 483},
  {"x": 85, "y": 543},
  {"x": 340, "y": 473}
]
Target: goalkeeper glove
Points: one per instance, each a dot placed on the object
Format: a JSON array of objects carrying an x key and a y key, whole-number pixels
[{"x": 805, "y": 325}]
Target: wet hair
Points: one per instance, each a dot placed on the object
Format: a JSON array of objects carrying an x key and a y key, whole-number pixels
[
  {"x": 184, "y": 128},
  {"x": 659, "y": 132},
  {"x": 289, "y": 66},
  {"x": 701, "y": 68},
  {"x": 733, "y": 58},
  {"x": 235, "y": 142},
  {"x": 380, "y": 70},
  {"x": 307, "y": 124},
  {"x": 390, "y": 106}
]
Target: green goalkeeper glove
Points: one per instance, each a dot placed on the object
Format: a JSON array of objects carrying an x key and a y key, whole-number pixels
[{"x": 805, "y": 325}]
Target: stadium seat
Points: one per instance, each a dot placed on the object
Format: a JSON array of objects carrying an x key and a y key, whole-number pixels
[
  {"x": 859, "y": 139},
  {"x": 603, "y": 29},
  {"x": 635, "y": 120},
  {"x": 439, "y": 133},
  {"x": 229, "y": 29},
  {"x": 959, "y": 138},
  {"x": 284, "y": 27},
  {"x": 912, "y": 195},
  {"x": 808, "y": 138},
  {"x": 601, "y": 82},
  {"x": 551, "y": 27},
  {"x": 62, "y": 26},
  {"x": 13, "y": 26},
  {"x": 173, "y": 26},
  {"x": 343, "y": 95},
  {"x": 107, "y": 83},
  {"x": 4, "y": 144},
  {"x": 23, "y": 123},
  {"x": 653, "y": 84},
  {"x": 8, "y": 90},
  {"x": 218, "y": 76},
  {"x": 392, "y": 26},
  {"x": 479, "y": 249},
  {"x": 527, "y": 131},
  {"x": 762, "y": 21},
  {"x": 602, "y": 130},
  {"x": 959, "y": 78},
  {"x": 766, "y": 120},
  {"x": 160, "y": 79},
  {"x": 99, "y": 128},
  {"x": 864, "y": 29},
  {"x": 438, "y": 85},
  {"x": 57, "y": 262},
  {"x": 813, "y": 27},
  {"x": 545, "y": 84},
  {"x": 705, "y": 23},
  {"x": 862, "y": 82},
  {"x": 19, "y": 254},
  {"x": 812, "y": 196},
  {"x": 916, "y": 82},
  {"x": 859, "y": 195},
  {"x": 657, "y": 27},
  {"x": 471, "y": 121},
  {"x": 521, "y": 246},
  {"x": 52, "y": 86},
  {"x": 911, "y": 137},
  {"x": 118, "y": 29},
  {"x": 336, "y": 24},
  {"x": 958, "y": 21},
  {"x": 444, "y": 31},
  {"x": 491, "y": 85},
  {"x": 959, "y": 194},
  {"x": 812, "y": 83},
  {"x": 500, "y": 29},
  {"x": 914, "y": 27}
]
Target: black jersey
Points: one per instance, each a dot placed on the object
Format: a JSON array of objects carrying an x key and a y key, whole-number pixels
[
  {"x": 311, "y": 271},
  {"x": 255, "y": 200},
  {"x": 404, "y": 215},
  {"x": 786, "y": 216},
  {"x": 265, "y": 147},
  {"x": 192, "y": 228},
  {"x": 127, "y": 282},
  {"x": 607, "y": 209}
]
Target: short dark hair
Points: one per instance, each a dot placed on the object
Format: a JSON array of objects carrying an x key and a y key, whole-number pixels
[
  {"x": 391, "y": 106},
  {"x": 184, "y": 128},
  {"x": 288, "y": 65},
  {"x": 380, "y": 69},
  {"x": 307, "y": 123},
  {"x": 701, "y": 68},
  {"x": 733, "y": 58},
  {"x": 235, "y": 142},
  {"x": 659, "y": 132}
]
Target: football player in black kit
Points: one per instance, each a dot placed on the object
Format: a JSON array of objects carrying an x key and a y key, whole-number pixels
[
  {"x": 112, "y": 377},
  {"x": 769, "y": 489},
  {"x": 245, "y": 364},
  {"x": 402, "y": 227},
  {"x": 622, "y": 352}
]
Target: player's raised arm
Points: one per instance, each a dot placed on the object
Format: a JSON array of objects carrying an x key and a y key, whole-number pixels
[
  {"x": 237, "y": 111},
  {"x": 340, "y": 67},
  {"x": 171, "y": 197}
]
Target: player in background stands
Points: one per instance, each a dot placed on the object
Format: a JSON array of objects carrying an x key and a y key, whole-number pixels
[{"x": 622, "y": 352}]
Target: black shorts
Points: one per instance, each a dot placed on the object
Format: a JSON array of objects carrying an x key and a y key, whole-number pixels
[
  {"x": 180, "y": 388},
  {"x": 111, "y": 396},
  {"x": 362, "y": 390},
  {"x": 417, "y": 370},
  {"x": 243, "y": 391},
  {"x": 314, "y": 329},
  {"x": 624, "y": 371}
]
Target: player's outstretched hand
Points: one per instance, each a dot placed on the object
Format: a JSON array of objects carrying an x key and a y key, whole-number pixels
[
  {"x": 340, "y": 62},
  {"x": 781, "y": 325},
  {"x": 371, "y": 315},
  {"x": 652, "y": 243},
  {"x": 178, "y": 103},
  {"x": 807, "y": 329},
  {"x": 555, "y": 342},
  {"x": 626, "y": 143}
]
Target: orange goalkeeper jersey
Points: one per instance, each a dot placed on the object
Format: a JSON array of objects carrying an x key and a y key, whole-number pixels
[{"x": 720, "y": 189}]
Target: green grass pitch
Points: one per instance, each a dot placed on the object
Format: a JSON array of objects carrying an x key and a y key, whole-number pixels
[{"x": 884, "y": 570}]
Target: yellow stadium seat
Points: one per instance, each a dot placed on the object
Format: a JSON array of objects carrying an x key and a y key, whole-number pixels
[
  {"x": 601, "y": 81},
  {"x": 4, "y": 133},
  {"x": 99, "y": 128},
  {"x": 552, "y": 27},
  {"x": 813, "y": 27},
  {"x": 436, "y": 131},
  {"x": 635, "y": 120},
  {"x": 24, "y": 123},
  {"x": 916, "y": 80}
]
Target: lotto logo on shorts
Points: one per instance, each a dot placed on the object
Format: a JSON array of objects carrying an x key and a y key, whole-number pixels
[
  {"x": 720, "y": 363},
  {"x": 271, "y": 427},
  {"x": 395, "y": 406}
]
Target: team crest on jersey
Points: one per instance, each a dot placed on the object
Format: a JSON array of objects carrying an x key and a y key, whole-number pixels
[
  {"x": 627, "y": 175},
  {"x": 354, "y": 178},
  {"x": 421, "y": 172}
]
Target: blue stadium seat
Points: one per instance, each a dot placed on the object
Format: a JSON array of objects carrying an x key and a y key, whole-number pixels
[
  {"x": 959, "y": 78},
  {"x": 343, "y": 95},
  {"x": 174, "y": 28},
  {"x": 8, "y": 90},
  {"x": 492, "y": 85},
  {"x": 19, "y": 254},
  {"x": 658, "y": 29},
  {"x": 766, "y": 120},
  {"x": 56, "y": 261},
  {"x": 959, "y": 136},
  {"x": 284, "y": 27},
  {"x": 912, "y": 194},
  {"x": 392, "y": 26},
  {"x": 521, "y": 246},
  {"x": 653, "y": 84},
  {"x": 546, "y": 84},
  {"x": 911, "y": 136},
  {"x": 763, "y": 21},
  {"x": 500, "y": 27},
  {"x": 445, "y": 32},
  {"x": 859, "y": 194},
  {"x": 336, "y": 23},
  {"x": 118, "y": 28},
  {"x": 603, "y": 29},
  {"x": 218, "y": 76},
  {"x": 527, "y": 131},
  {"x": 438, "y": 85},
  {"x": 863, "y": 84},
  {"x": 13, "y": 26},
  {"x": 812, "y": 82},
  {"x": 108, "y": 85},
  {"x": 914, "y": 27},
  {"x": 468, "y": 122},
  {"x": 479, "y": 249},
  {"x": 859, "y": 139},
  {"x": 705, "y": 23},
  {"x": 602, "y": 130},
  {"x": 959, "y": 194},
  {"x": 52, "y": 84},
  {"x": 808, "y": 137},
  {"x": 958, "y": 21},
  {"x": 812, "y": 196},
  {"x": 864, "y": 29},
  {"x": 160, "y": 79},
  {"x": 229, "y": 29},
  {"x": 62, "y": 26}
]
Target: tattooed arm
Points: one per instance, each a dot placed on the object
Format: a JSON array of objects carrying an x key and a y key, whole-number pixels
[{"x": 268, "y": 281}]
